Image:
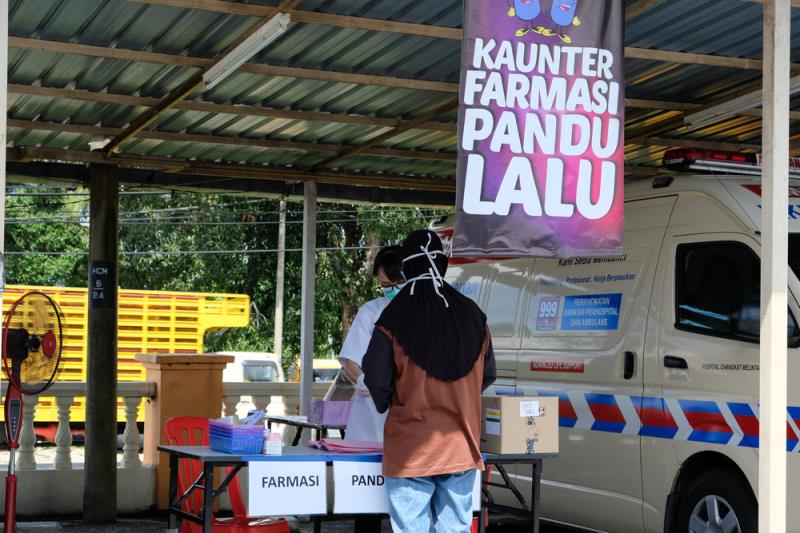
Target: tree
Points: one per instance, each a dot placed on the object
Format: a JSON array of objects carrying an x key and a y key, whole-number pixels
[
  {"x": 216, "y": 243},
  {"x": 48, "y": 224}
]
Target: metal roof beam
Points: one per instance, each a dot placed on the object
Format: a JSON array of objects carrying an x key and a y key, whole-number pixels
[
  {"x": 638, "y": 103},
  {"x": 166, "y": 136},
  {"x": 645, "y": 170},
  {"x": 60, "y": 47},
  {"x": 288, "y": 145},
  {"x": 71, "y": 173},
  {"x": 193, "y": 83},
  {"x": 635, "y": 103},
  {"x": 225, "y": 170},
  {"x": 315, "y": 17},
  {"x": 794, "y": 3},
  {"x": 447, "y": 105},
  {"x": 348, "y": 77},
  {"x": 642, "y": 6},
  {"x": 692, "y": 143},
  {"x": 289, "y": 114},
  {"x": 343, "y": 21},
  {"x": 668, "y": 56},
  {"x": 235, "y": 109}
]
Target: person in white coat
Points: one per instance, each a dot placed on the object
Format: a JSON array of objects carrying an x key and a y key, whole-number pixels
[{"x": 364, "y": 422}]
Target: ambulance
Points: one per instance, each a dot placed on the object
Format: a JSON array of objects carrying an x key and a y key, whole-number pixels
[{"x": 653, "y": 355}]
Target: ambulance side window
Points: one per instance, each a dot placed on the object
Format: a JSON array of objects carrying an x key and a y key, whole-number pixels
[{"x": 718, "y": 290}]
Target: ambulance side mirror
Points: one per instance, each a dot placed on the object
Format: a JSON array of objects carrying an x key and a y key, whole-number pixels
[{"x": 745, "y": 321}]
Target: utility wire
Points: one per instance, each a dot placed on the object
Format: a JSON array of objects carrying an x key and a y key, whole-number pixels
[
  {"x": 185, "y": 214},
  {"x": 203, "y": 252},
  {"x": 170, "y": 222}
]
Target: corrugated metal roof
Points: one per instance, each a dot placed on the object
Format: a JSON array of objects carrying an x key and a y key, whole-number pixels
[{"x": 729, "y": 28}]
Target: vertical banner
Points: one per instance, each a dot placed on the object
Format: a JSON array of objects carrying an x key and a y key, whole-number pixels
[{"x": 541, "y": 125}]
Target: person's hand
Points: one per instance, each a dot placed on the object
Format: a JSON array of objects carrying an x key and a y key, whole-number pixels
[
  {"x": 350, "y": 370},
  {"x": 361, "y": 388}
]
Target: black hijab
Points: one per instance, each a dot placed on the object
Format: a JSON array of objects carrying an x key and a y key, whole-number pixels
[{"x": 439, "y": 328}]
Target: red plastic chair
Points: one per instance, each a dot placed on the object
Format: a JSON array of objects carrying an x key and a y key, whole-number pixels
[{"x": 193, "y": 431}]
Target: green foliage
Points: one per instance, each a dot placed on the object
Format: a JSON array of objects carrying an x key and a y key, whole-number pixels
[
  {"x": 180, "y": 222},
  {"x": 46, "y": 233}
]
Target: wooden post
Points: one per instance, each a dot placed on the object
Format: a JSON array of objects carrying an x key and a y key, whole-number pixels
[
  {"x": 307, "y": 290},
  {"x": 774, "y": 261},
  {"x": 100, "y": 471},
  {"x": 279, "y": 282},
  {"x": 186, "y": 385}
]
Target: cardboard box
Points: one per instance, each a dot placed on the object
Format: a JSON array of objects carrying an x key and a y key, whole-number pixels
[{"x": 519, "y": 425}]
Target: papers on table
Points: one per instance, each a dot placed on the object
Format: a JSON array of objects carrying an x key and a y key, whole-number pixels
[{"x": 347, "y": 446}]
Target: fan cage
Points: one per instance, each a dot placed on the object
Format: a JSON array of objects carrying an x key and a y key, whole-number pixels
[{"x": 33, "y": 342}]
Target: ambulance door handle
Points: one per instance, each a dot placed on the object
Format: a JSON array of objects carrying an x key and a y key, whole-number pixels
[
  {"x": 670, "y": 361},
  {"x": 630, "y": 365}
]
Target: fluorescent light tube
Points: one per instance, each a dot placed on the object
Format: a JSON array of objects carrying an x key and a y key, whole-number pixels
[
  {"x": 733, "y": 107},
  {"x": 259, "y": 40}
]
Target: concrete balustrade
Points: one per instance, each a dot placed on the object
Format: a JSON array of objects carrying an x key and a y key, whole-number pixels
[
  {"x": 63, "y": 460},
  {"x": 65, "y": 394},
  {"x": 57, "y": 484}
]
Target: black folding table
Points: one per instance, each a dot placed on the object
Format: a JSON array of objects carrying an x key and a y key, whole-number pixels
[
  {"x": 498, "y": 462},
  {"x": 211, "y": 459},
  {"x": 301, "y": 423}
]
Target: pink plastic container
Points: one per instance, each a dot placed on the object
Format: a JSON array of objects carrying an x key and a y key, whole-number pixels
[{"x": 329, "y": 413}]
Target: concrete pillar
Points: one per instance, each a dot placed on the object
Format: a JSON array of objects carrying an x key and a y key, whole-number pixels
[
  {"x": 186, "y": 385},
  {"x": 100, "y": 490},
  {"x": 280, "y": 282},
  {"x": 308, "y": 293},
  {"x": 774, "y": 266},
  {"x": 3, "y": 140}
]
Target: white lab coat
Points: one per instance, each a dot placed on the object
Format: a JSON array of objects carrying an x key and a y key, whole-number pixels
[{"x": 364, "y": 422}]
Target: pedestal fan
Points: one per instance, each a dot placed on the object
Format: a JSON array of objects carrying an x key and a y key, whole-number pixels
[{"x": 31, "y": 361}]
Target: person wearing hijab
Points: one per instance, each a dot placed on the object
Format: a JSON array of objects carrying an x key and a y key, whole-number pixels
[
  {"x": 365, "y": 423},
  {"x": 429, "y": 359}
]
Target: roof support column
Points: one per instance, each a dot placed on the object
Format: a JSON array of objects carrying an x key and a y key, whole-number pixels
[
  {"x": 100, "y": 471},
  {"x": 280, "y": 275},
  {"x": 3, "y": 140},
  {"x": 308, "y": 290},
  {"x": 775, "y": 260}
]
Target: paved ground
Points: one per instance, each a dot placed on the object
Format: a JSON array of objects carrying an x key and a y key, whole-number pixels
[
  {"x": 346, "y": 526},
  {"x": 157, "y": 524}
]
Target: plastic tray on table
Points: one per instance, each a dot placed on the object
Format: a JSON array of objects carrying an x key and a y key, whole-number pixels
[{"x": 228, "y": 438}]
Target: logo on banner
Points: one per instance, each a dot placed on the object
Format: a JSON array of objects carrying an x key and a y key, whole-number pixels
[{"x": 540, "y": 168}]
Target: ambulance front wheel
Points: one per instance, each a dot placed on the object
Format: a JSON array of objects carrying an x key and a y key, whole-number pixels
[{"x": 717, "y": 500}]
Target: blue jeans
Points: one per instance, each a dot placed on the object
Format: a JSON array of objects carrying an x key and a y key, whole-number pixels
[{"x": 445, "y": 499}]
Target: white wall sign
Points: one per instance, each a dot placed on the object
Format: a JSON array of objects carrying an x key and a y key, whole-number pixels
[
  {"x": 359, "y": 488},
  {"x": 280, "y": 488}
]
